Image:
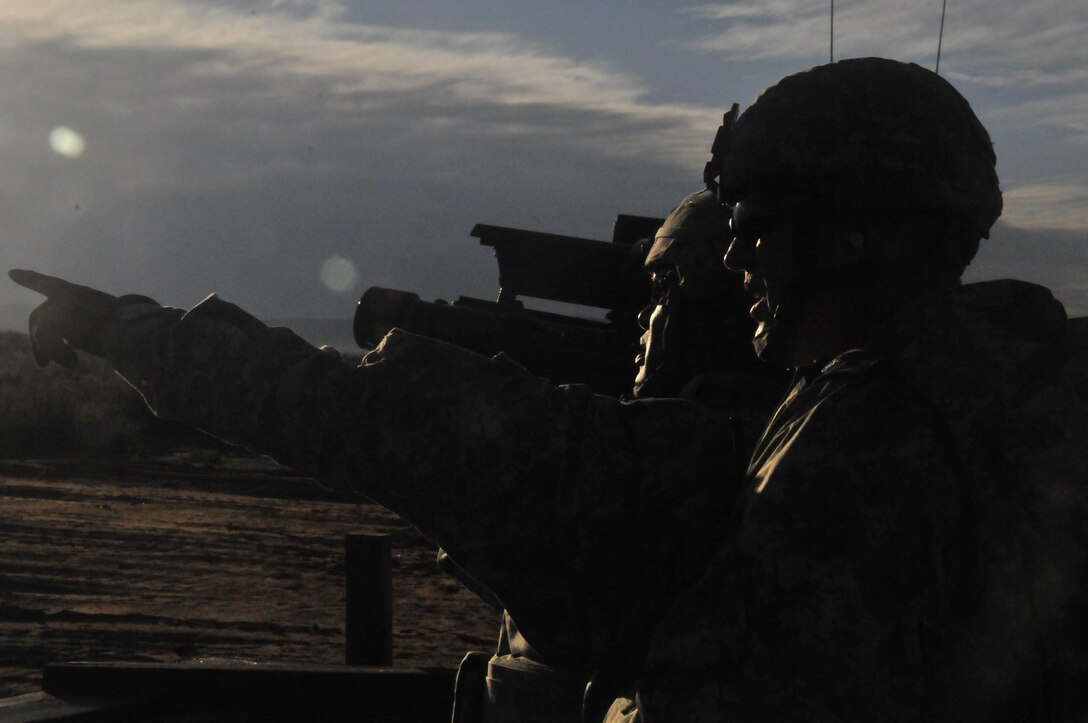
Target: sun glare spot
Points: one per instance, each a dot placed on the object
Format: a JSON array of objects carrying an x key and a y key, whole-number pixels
[
  {"x": 66, "y": 142},
  {"x": 338, "y": 274}
]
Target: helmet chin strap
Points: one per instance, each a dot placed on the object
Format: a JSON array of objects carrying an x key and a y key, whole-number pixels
[
  {"x": 815, "y": 322},
  {"x": 776, "y": 338},
  {"x": 791, "y": 335}
]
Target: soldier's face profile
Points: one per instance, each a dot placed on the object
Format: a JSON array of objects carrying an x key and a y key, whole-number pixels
[
  {"x": 653, "y": 319},
  {"x": 765, "y": 247}
]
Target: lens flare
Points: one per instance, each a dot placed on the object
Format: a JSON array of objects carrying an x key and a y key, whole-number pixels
[
  {"x": 66, "y": 142},
  {"x": 338, "y": 274}
]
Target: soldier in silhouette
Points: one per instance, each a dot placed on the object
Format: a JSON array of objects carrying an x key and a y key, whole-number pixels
[{"x": 696, "y": 346}]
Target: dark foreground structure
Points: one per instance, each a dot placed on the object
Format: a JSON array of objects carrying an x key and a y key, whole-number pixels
[{"x": 242, "y": 691}]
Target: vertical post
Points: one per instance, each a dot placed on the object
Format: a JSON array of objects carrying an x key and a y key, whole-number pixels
[{"x": 368, "y": 624}]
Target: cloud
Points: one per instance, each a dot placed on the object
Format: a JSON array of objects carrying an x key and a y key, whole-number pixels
[
  {"x": 1064, "y": 112},
  {"x": 994, "y": 40},
  {"x": 796, "y": 30},
  {"x": 1055, "y": 205},
  {"x": 1024, "y": 77},
  {"x": 1052, "y": 257},
  {"x": 770, "y": 9},
  {"x": 237, "y": 149},
  {"x": 1023, "y": 48},
  {"x": 362, "y": 63}
]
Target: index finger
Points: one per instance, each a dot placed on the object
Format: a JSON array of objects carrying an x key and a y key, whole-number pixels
[{"x": 43, "y": 284}]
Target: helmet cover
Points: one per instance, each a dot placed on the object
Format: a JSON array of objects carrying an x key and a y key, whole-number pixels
[{"x": 869, "y": 136}]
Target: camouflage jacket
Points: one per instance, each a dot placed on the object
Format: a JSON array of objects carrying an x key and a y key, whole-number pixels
[
  {"x": 912, "y": 545},
  {"x": 582, "y": 513},
  {"x": 907, "y": 545}
]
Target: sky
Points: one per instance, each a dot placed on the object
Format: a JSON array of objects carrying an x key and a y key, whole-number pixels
[{"x": 289, "y": 154}]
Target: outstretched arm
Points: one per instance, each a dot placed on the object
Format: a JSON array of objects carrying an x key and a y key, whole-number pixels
[{"x": 577, "y": 510}]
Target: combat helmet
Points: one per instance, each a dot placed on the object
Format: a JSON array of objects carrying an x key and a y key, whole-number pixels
[
  {"x": 695, "y": 233},
  {"x": 867, "y": 136}
]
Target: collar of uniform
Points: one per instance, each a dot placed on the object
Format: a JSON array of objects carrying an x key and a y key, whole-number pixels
[{"x": 854, "y": 361}]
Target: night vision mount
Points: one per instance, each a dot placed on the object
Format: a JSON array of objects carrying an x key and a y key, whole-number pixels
[{"x": 722, "y": 140}]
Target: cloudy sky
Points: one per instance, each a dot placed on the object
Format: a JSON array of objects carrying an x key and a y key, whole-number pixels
[{"x": 288, "y": 154}]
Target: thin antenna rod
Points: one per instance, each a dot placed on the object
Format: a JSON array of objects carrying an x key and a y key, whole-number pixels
[
  {"x": 833, "y": 31},
  {"x": 940, "y": 37}
]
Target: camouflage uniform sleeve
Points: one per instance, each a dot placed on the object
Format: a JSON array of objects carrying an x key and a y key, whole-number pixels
[{"x": 550, "y": 496}]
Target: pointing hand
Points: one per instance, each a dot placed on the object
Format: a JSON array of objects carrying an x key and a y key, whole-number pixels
[{"x": 72, "y": 317}]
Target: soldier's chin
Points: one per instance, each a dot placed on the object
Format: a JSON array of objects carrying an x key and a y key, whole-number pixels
[
  {"x": 644, "y": 387},
  {"x": 658, "y": 382},
  {"x": 773, "y": 343}
]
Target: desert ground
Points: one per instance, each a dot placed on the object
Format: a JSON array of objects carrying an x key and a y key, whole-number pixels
[{"x": 202, "y": 555}]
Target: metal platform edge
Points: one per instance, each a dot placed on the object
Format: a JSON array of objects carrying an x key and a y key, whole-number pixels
[{"x": 113, "y": 691}]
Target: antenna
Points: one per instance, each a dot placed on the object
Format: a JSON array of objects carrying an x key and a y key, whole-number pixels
[
  {"x": 832, "y": 59},
  {"x": 940, "y": 37}
]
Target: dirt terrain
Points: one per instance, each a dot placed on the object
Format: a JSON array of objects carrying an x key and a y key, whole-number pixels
[{"x": 200, "y": 555}]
